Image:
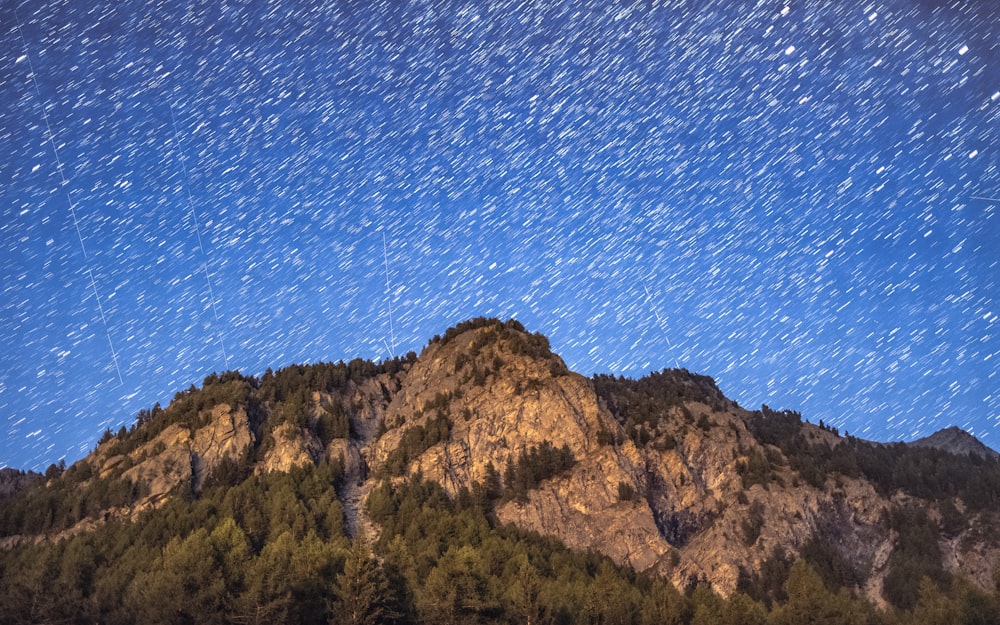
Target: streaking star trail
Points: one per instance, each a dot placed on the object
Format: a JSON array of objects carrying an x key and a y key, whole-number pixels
[{"x": 795, "y": 198}]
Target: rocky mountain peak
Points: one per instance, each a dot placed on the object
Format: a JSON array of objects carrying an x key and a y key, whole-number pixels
[
  {"x": 493, "y": 390},
  {"x": 957, "y": 441},
  {"x": 662, "y": 474}
]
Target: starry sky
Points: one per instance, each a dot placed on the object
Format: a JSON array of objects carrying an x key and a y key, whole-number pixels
[{"x": 798, "y": 198}]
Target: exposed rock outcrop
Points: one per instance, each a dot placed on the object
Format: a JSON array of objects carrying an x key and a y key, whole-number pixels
[
  {"x": 687, "y": 489},
  {"x": 179, "y": 457},
  {"x": 691, "y": 517}
]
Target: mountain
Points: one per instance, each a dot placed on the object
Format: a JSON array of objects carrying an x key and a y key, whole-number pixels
[
  {"x": 13, "y": 481},
  {"x": 482, "y": 472},
  {"x": 956, "y": 441}
]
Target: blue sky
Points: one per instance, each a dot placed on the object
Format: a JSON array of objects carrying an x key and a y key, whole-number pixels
[{"x": 781, "y": 195}]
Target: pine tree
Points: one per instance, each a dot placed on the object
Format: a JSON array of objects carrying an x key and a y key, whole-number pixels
[
  {"x": 525, "y": 591},
  {"x": 268, "y": 596},
  {"x": 810, "y": 602},
  {"x": 740, "y": 609},
  {"x": 362, "y": 591},
  {"x": 456, "y": 590},
  {"x": 707, "y": 606},
  {"x": 933, "y": 607},
  {"x": 664, "y": 605}
]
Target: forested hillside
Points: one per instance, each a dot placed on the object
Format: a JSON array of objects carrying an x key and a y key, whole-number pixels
[{"x": 482, "y": 482}]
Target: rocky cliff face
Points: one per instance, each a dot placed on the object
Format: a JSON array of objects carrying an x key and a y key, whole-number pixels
[
  {"x": 179, "y": 456},
  {"x": 691, "y": 515},
  {"x": 687, "y": 491},
  {"x": 504, "y": 393}
]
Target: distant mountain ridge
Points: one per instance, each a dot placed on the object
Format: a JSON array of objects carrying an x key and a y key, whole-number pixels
[
  {"x": 957, "y": 441},
  {"x": 663, "y": 475}
]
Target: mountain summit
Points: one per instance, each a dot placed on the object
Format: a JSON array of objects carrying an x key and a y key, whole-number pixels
[
  {"x": 663, "y": 476},
  {"x": 957, "y": 441}
]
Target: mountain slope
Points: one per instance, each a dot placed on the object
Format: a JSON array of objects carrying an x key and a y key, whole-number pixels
[
  {"x": 663, "y": 474},
  {"x": 956, "y": 441}
]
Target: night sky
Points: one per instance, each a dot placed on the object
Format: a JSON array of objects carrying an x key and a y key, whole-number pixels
[{"x": 796, "y": 198}]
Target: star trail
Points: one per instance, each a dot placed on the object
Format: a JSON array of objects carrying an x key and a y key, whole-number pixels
[{"x": 797, "y": 198}]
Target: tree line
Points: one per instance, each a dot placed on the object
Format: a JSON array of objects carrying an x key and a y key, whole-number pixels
[{"x": 273, "y": 548}]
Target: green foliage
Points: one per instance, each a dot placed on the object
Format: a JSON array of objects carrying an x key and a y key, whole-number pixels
[
  {"x": 271, "y": 549},
  {"x": 964, "y": 605},
  {"x": 824, "y": 557},
  {"x": 976, "y": 607},
  {"x": 923, "y": 472},
  {"x": 915, "y": 556},
  {"x": 933, "y": 606},
  {"x": 768, "y": 585},
  {"x": 664, "y": 605},
  {"x": 641, "y": 405},
  {"x": 742, "y": 610},
  {"x": 333, "y": 423},
  {"x": 190, "y": 568},
  {"x": 704, "y": 423},
  {"x": 641, "y": 435},
  {"x": 707, "y": 606},
  {"x": 493, "y": 331},
  {"x": 362, "y": 590},
  {"x": 456, "y": 590},
  {"x": 475, "y": 324},
  {"x": 64, "y": 501},
  {"x": 300, "y": 502},
  {"x": 606, "y": 436},
  {"x": 809, "y": 601},
  {"x": 327, "y": 377},
  {"x": 265, "y": 551},
  {"x": 439, "y": 403},
  {"x": 627, "y": 492},
  {"x": 462, "y": 568},
  {"x": 753, "y": 523},
  {"x": 189, "y": 409},
  {"x": 55, "y": 470},
  {"x": 534, "y": 465},
  {"x": 465, "y": 326},
  {"x": 784, "y": 431},
  {"x": 415, "y": 441},
  {"x": 534, "y": 345},
  {"x": 296, "y": 409},
  {"x": 755, "y": 470}
]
